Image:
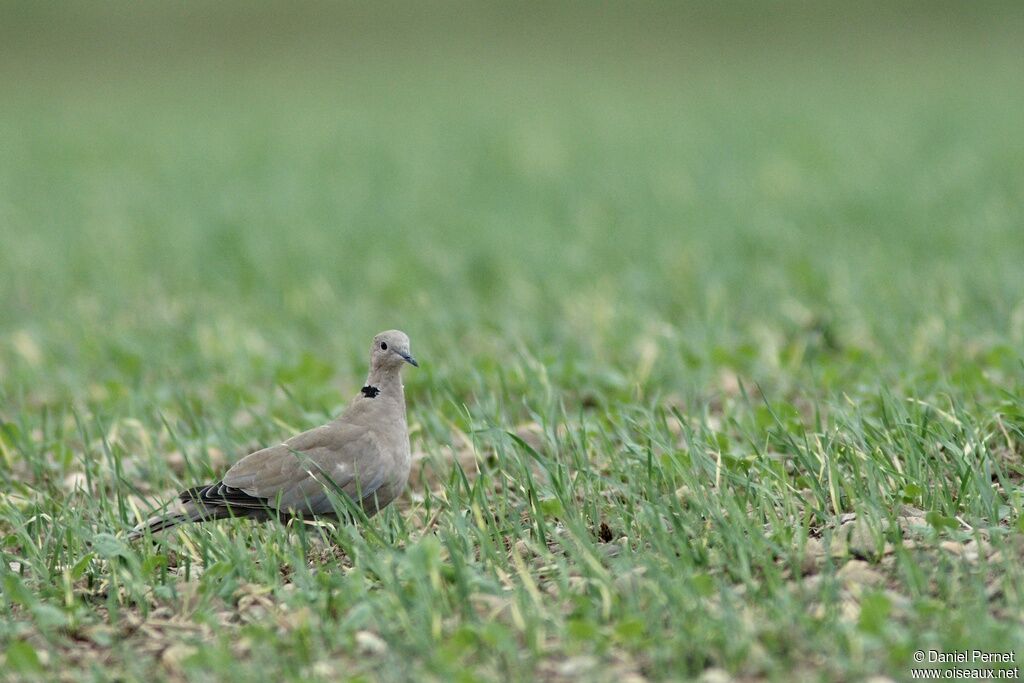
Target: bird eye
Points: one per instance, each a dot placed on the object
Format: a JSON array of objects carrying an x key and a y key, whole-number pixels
[{"x": 383, "y": 346}]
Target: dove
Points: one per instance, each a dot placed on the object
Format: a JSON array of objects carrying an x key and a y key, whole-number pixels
[{"x": 364, "y": 453}]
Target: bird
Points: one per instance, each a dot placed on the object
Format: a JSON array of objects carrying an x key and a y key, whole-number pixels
[{"x": 363, "y": 453}]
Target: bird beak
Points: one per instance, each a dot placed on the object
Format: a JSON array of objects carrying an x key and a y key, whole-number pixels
[{"x": 410, "y": 360}]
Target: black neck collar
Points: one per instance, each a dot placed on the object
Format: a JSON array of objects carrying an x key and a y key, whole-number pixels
[{"x": 370, "y": 391}]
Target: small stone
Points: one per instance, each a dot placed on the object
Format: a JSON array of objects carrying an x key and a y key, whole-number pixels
[
  {"x": 862, "y": 537},
  {"x": 975, "y": 550},
  {"x": 577, "y": 666},
  {"x": 814, "y": 552},
  {"x": 715, "y": 675},
  {"x": 838, "y": 546},
  {"x": 324, "y": 670},
  {"x": 370, "y": 643},
  {"x": 630, "y": 581},
  {"x": 859, "y": 572},
  {"x": 76, "y": 481},
  {"x": 897, "y": 600},
  {"x": 522, "y": 549},
  {"x": 174, "y": 655},
  {"x": 911, "y": 511},
  {"x": 811, "y": 584},
  {"x": 175, "y": 461},
  {"x": 849, "y": 610},
  {"x": 952, "y": 547},
  {"x": 610, "y": 549},
  {"x": 632, "y": 677}
]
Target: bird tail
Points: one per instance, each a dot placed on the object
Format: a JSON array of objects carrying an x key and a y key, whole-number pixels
[
  {"x": 188, "y": 513},
  {"x": 155, "y": 524},
  {"x": 204, "y": 504}
]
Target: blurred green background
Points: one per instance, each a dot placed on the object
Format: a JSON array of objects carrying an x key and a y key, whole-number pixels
[{"x": 213, "y": 184}]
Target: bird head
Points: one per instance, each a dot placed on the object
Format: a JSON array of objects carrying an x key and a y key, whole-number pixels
[{"x": 390, "y": 349}]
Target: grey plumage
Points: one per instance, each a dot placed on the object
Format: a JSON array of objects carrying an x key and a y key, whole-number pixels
[{"x": 363, "y": 453}]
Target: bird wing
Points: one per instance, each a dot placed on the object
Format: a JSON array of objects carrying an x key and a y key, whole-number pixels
[{"x": 296, "y": 476}]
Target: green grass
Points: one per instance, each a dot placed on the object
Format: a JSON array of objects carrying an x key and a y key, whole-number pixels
[{"x": 690, "y": 288}]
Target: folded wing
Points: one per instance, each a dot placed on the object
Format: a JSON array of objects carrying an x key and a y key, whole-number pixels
[{"x": 297, "y": 476}]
